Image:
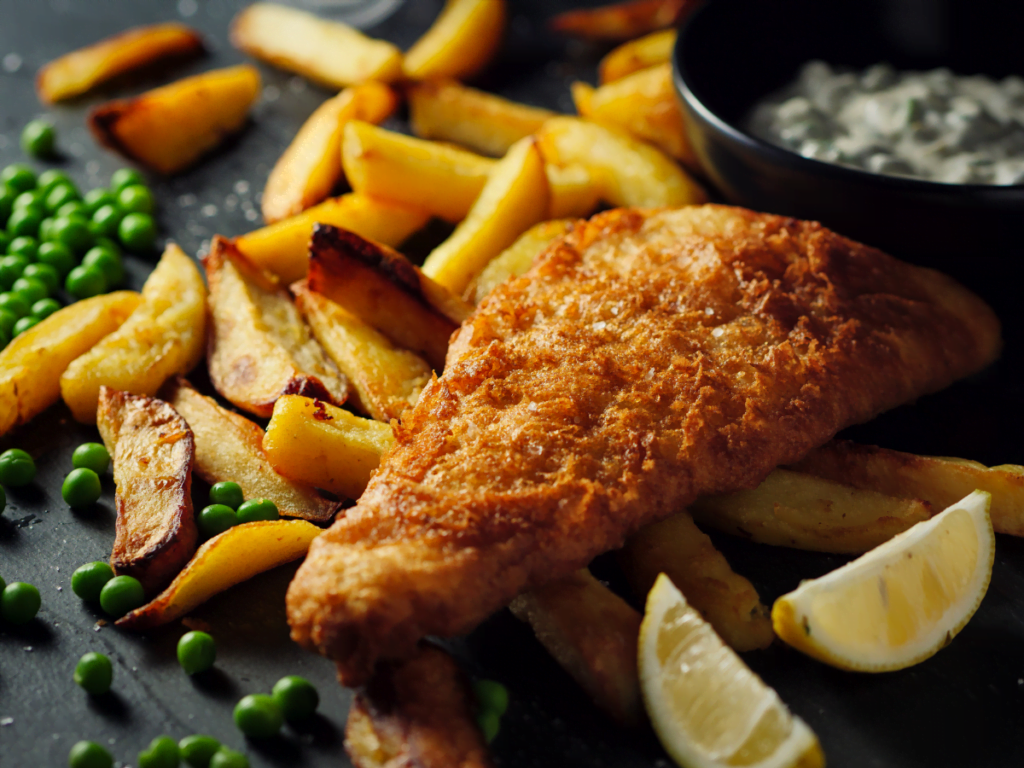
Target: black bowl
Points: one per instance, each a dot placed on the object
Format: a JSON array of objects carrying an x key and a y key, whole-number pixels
[{"x": 731, "y": 53}]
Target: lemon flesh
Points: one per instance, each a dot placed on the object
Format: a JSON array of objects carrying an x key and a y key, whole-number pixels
[
  {"x": 899, "y": 603},
  {"x": 705, "y": 704}
]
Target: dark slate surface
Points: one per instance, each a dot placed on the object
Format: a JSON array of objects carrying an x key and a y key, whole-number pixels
[{"x": 961, "y": 708}]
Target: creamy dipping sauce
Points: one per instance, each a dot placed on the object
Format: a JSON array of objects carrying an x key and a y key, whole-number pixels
[{"x": 928, "y": 125}]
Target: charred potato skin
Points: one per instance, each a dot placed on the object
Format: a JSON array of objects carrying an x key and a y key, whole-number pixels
[{"x": 155, "y": 429}]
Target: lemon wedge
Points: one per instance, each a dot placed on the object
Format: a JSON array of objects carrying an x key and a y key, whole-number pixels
[
  {"x": 899, "y": 603},
  {"x": 708, "y": 709}
]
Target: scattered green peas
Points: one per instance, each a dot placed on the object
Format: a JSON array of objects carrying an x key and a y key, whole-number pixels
[
  {"x": 198, "y": 750},
  {"x": 11, "y": 268},
  {"x": 18, "y": 177},
  {"x": 24, "y": 324},
  {"x": 45, "y": 274},
  {"x": 215, "y": 519},
  {"x": 85, "y": 281},
  {"x": 5, "y": 239},
  {"x": 136, "y": 199},
  {"x": 228, "y": 758},
  {"x": 489, "y": 722},
  {"x": 125, "y": 177},
  {"x": 163, "y": 752},
  {"x": 58, "y": 256},
  {"x": 24, "y": 221},
  {"x": 227, "y": 493},
  {"x": 105, "y": 220},
  {"x": 95, "y": 199},
  {"x": 73, "y": 208},
  {"x": 24, "y": 245},
  {"x": 491, "y": 695},
  {"x": 258, "y": 716},
  {"x": 92, "y": 456},
  {"x": 51, "y": 178},
  {"x": 110, "y": 245},
  {"x": 57, "y": 197},
  {"x": 19, "y": 603},
  {"x": 88, "y": 580},
  {"x": 81, "y": 488},
  {"x": 257, "y": 509},
  {"x": 43, "y": 308},
  {"x": 89, "y": 754},
  {"x": 14, "y": 303},
  {"x": 31, "y": 289},
  {"x": 107, "y": 262},
  {"x": 120, "y": 595},
  {"x": 33, "y": 198},
  {"x": 94, "y": 673},
  {"x": 7, "y": 197},
  {"x": 16, "y": 468},
  {"x": 297, "y": 698},
  {"x": 73, "y": 232},
  {"x": 137, "y": 231},
  {"x": 196, "y": 652},
  {"x": 38, "y": 139}
]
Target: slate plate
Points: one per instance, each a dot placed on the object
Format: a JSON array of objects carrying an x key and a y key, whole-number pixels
[{"x": 963, "y": 707}]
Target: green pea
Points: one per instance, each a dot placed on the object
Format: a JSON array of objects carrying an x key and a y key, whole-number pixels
[
  {"x": 106, "y": 219},
  {"x": 94, "y": 673},
  {"x": 83, "y": 282},
  {"x": 33, "y": 198},
  {"x": 59, "y": 196},
  {"x": 73, "y": 208},
  {"x": 7, "y": 321},
  {"x": 491, "y": 695},
  {"x": 257, "y": 509},
  {"x": 46, "y": 229},
  {"x": 16, "y": 467},
  {"x": 24, "y": 221},
  {"x": 489, "y": 722},
  {"x": 38, "y": 139},
  {"x": 121, "y": 594},
  {"x": 125, "y": 177},
  {"x": 14, "y": 303},
  {"x": 107, "y": 262},
  {"x": 110, "y": 245},
  {"x": 138, "y": 232},
  {"x": 136, "y": 199},
  {"x": 258, "y": 716},
  {"x": 7, "y": 198},
  {"x": 31, "y": 289},
  {"x": 24, "y": 324},
  {"x": 297, "y": 698},
  {"x": 11, "y": 268},
  {"x": 43, "y": 308},
  {"x": 89, "y": 754},
  {"x": 45, "y": 274},
  {"x": 81, "y": 488},
  {"x": 196, "y": 652},
  {"x": 228, "y": 758},
  {"x": 92, "y": 456},
  {"x": 227, "y": 493},
  {"x": 24, "y": 246},
  {"x": 19, "y": 603},
  {"x": 95, "y": 199},
  {"x": 216, "y": 519},
  {"x": 197, "y": 750},
  {"x": 5, "y": 239},
  {"x": 88, "y": 580},
  {"x": 18, "y": 177},
  {"x": 56, "y": 255},
  {"x": 73, "y": 232},
  {"x": 163, "y": 752},
  {"x": 51, "y": 178}
]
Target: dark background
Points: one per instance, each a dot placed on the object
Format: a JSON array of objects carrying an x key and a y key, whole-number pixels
[{"x": 961, "y": 708}]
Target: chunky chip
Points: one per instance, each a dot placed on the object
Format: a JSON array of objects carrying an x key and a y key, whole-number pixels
[
  {"x": 461, "y": 41},
  {"x": 635, "y": 55}
]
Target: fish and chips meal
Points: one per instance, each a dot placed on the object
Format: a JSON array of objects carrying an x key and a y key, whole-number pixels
[{"x": 594, "y": 359}]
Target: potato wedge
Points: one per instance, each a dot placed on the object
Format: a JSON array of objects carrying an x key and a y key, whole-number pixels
[
  {"x": 434, "y": 177},
  {"x": 937, "y": 480},
  {"x": 461, "y": 41},
  {"x": 647, "y": 51},
  {"x": 325, "y": 446},
  {"x": 627, "y": 171},
  {"x": 227, "y": 559},
  {"x": 381, "y": 287},
  {"x": 329, "y": 52},
  {"x": 644, "y": 105},
  {"x": 385, "y": 380},
  {"x": 417, "y": 712},
  {"x": 32, "y": 364},
  {"x": 622, "y": 21},
  {"x": 162, "y": 338},
  {"x": 680, "y": 550},
  {"x": 310, "y": 167},
  {"x": 513, "y": 200},
  {"x": 153, "y": 450},
  {"x": 230, "y": 447},
  {"x": 518, "y": 257},
  {"x": 171, "y": 127},
  {"x": 574, "y": 193},
  {"x": 80, "y": 71},
  {"x": 592, "y": 633},
  {"x": 446, "y": 110},
  {"x": 282, "y": 248},
  {"x": 794, "y": 509},
  {"x": 259, "y": 348}
]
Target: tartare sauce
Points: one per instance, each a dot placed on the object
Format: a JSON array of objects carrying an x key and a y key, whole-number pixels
[{"x": 928, "y": 125}]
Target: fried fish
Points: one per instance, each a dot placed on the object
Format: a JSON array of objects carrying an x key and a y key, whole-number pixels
[{"x": 647, "y": 358}]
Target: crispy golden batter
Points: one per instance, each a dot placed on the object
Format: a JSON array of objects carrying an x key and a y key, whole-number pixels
[{"x": 648, "y": 358}]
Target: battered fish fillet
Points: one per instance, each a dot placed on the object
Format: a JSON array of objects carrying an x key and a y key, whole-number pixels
[{"x": 646, "y": 359}]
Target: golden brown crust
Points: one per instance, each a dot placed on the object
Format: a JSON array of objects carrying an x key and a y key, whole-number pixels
[{"x": 647, "y": 358}]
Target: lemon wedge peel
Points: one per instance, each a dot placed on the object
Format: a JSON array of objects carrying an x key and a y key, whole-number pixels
[
  {"x": 900, "y": 603},
  {"x": 707, "y": 707}
]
